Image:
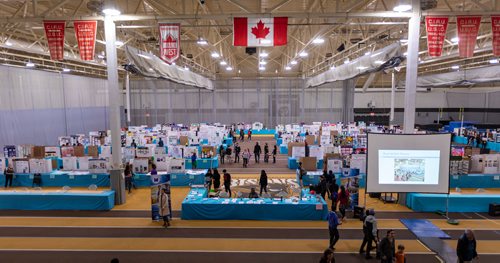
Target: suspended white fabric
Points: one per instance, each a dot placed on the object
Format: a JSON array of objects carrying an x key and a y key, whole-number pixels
[
  {"x": 150, "y": 65},
  {"x": 461, "y": 77},
  {"x": 386, "y": 57}
]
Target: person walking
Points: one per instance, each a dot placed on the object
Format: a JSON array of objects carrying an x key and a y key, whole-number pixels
[
  {"x": 9, "y": 175},
  {"x": 334, "y": 193},
  {"x": 322, "y": 188},
  {"x": 237, "y": 151},
  {"x": 160, "y": 142},
  {"x": 263, "y": 182},
  {"x": 249, "y": 134},
  {"x": 275, "y": 152},
  {"x": 343, "y": 201},
  {"x": 216, "y": 177},
  {"x": 128, "y": 178},
  {"x": 222, "y": 154},
  {"x": 387, "y": 247},
  {"x": 372, "y": 232},
  {"x": 306, "y": 151},
  {"x": 300, "y": 174},
  {"x": 333, "y": 223},
  {"x": 242, "y": 135},
  {"x": 164, "y": 208},
  {"x": 246, "y": 157},
  {"x": 227, "y": 182},
  {"x": 266, "y": 153},
  {"x": 328, "y": 256},
  {"x": 400, "y": 254},
  {"x": 466, "y": 247},
  {"x": 365, "y": 233},
  {"x": 257, "y": 151}
]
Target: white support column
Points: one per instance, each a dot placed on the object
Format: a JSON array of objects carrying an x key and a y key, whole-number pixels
[
  {"x": 127, "y": 94},
  {"x": 393, "y": 96},
  {"x": 412, "y": 68},
  {"x": 117, "y": 180}
]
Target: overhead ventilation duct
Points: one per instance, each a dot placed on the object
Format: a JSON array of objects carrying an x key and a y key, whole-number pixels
[{"x": 428, "y": 4}]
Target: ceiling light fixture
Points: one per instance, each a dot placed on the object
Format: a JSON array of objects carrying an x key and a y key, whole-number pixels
[
  {"x": 362, "y": 67},
  {"x": 229, "y": 68},
  {"x": 303, "y": 54},
  {"x": 202, "y": 42},
  {"x": 494, "y": 61},
  {"x": 100, "y": 56},
  {"x": 379, "y": 62},
  {"x": 263, "y": 55},
  {"x": 8, "y": 43},
  {"x": 223, "y": 63},
  {"x": 262, "y": 62},
  {"x": 367, "y": 53},
  {"x": 346, "y": 61},
  {"x": 293, "y": 62},
  {"x": 454, "y": 39},
  {"x": 318, "y": 41},
  {"x": 30, "y": 64},
  {"x": 140, "y": 55},
  {"x": 118, "y": 43},
  {"x": 66, "y": 70},
  {"x": 110, "y": 8},
  {"x": 215, "y": 55},
  {"x": 332, "y": 67},
  {"x": 186, "y": 68},
  {"x": 455, "y": 67},
  {"x": 402, "y": 6},
  {"x": 288, "y": 68},
  {"x": 262, "y": 68}
]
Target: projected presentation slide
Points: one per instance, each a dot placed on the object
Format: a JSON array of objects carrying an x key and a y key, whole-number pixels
[{"x": 408, "y": 167}]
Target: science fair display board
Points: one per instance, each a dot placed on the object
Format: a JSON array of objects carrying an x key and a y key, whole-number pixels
[{"x": 403, "y": 163}]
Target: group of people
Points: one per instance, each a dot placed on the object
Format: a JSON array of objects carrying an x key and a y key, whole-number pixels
[
  {"x": 213, "y": 177},
  {"x": 247, "y": 154}
]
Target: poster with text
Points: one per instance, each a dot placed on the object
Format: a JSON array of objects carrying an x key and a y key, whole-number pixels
[
  {"x": 467, "y": 27},
  {"x": 436, "y": 33},
  {"x": 85, "y": 32},
  {"x": 495, "y": 30},
  {"x": 54, "y": 32}
]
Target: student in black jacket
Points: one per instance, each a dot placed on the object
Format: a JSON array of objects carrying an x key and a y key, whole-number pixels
[
  {"x": 466, "y": 247},
  {"x": 387, "y": 247},
  {"x": 263, "y": 181},
  {"x": 237, "y": 151},
  {"x": 275, "y": 151},
  {"x": 216, "y": 177},
  {"x": 256, "y": 151}
]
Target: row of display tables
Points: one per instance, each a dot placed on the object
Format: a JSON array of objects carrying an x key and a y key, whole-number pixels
[{"x": 57, "y": 200}]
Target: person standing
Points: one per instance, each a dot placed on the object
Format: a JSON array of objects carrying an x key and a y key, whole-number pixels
[
  {"x": 266, "y": 153},
  {"x": 237, "y": 151},
  {"x": 328, "y": 256},
  {"x": 400, "y": 254},
  {"x": 372, "y": 232},
  {"x": 242, "y": 135},
  {"x": 466, "y": 247},
  {"x": 216, "y": 177},
  {"x": 322, "y": 188},
  {"x": 306, "y": 151},
  {"x": 249, "y": 134},
  {"x": 164, "y": 208},
  {"x": 222, "y": 154},
  {"x": 9, "y": 175},
  {"x": 365, "y": 233},
  {"x": 160, "y": 143},
  {"x": 193, "y": 160},
  {"x": 334, "y": 192},
  {"x": 208, "y": 179},
  {"x": 246, "y": 156},
  {"x": 227, "y": 182},
  {"x": 343, "y": 201},
  {"x": 128, "y": 178},
  {"x": 275, "y": 151},
  {"x": 387, "y": 247},
  {"x": 133, "y": 144},
  {"x": 263, "y": 182},
  {"x": 256, "y": 151},
  {"x": 333, "y": 223},
  {"x": 300, "y": 174}
]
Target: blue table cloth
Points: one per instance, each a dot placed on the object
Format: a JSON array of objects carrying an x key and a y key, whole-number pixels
[
  {"x": 279, "y": 141},
  {"x": 189, "y": 177},
  {"x": 205, "y": 163},
  {"x": 456, "y": 203},
  {"x": 60, "y": 179},
  {"x": 283, "y": 149},
  {"x": 39, "y": 200},
  {"x": 475, "y": 181},
  {"x": 196, "y": 206},
  {"x": 228, "y": 141},
  {"x": 312, "y": 178},
  {"x": 494, "y": 146},
  {"x": 294, "y": 164}
]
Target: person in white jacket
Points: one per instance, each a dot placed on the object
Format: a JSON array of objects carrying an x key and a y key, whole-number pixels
[{"x": 371, "y": 231}]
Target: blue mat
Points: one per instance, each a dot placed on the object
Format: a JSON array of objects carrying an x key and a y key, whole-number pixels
[{"x": 424, "y": 228}]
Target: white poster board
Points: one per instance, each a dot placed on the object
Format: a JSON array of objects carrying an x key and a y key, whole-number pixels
[
  {"x": 83, "y": 163},
  {"x": 40, "y": 166},
  {"x": 358, "y": 161},
  {"x": 315, "y": 151},
  {"x": 298, "y": 152},
  {"x": 335, "y": 165},
  {"x": 491, "y": 163},
  {"x": 140, "y": 166},
  {"x": 53, "y": 151},
  {"x": 98, "y": 166},
  {"x": 69, "y": 163},
  {"x": 161, "y": 162},
  {"x": 105, "y": 151}
]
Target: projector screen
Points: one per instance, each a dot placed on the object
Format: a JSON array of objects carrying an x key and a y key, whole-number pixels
[{"x": 402, "y": 163}]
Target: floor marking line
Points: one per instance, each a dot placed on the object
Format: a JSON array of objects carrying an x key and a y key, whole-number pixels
[{"x": 198, "y": 251}]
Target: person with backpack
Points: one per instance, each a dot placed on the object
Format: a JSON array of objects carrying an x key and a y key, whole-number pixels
[
  {"x": 466, "y": 247},
  {"x": 333, "y": 223},
  {"x": 263, "y": 182},
  {"x": 227, "y": 182},
  {"x": 334, "y": 195}
]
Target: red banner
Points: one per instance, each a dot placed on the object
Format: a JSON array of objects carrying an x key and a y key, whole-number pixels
[
  {"x": 54, "y": 32},
  {"x": 495, "y": 29},
  {"x": 436, "y": 32},
  {"x": 467, "y": 27},
  {"x": 170, "y": 42},
  {"x": 85, "y": 32}
]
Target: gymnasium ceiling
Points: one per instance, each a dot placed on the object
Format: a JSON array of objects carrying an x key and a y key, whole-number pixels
[{"x": 361, "y": 26}]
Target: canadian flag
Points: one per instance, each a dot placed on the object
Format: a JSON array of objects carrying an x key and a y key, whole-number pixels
[{"x": 260, "y": 32}]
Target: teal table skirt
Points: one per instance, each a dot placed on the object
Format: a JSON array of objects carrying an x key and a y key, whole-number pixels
[
  {"x": 197, "y": 207},
  {"x": 475, "y": 181},
  {"x": 279, "y": 141},
  {"x": 294, "y": 164},
  {"x": 192, "y": 177},
  {"x": 457, "y": 202},
  {"x": 60, "y": 179},
  {"x": 259, "y": 132},
  {"x": 205, "y": 163},
  {"x": 283, "y": 149},
  {"x": 57, "y": 201},
  {"x": 228, "y": 141},
  {"x": 312, "y": 178}
]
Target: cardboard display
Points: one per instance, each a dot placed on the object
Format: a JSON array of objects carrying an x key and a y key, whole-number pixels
[
  {"x": 184, "y": 140},
  {"x": 69, "y": 163},
  {"x": 67, "y": 151},
  {"x": 53, "y": 151},
  {"x": 308, "y": 163},
  {"x": 40, "y": 166},
  {"x": 294, "y": 144},
  {"x": 21, "y": 166},
  {"x": 79, "y": 151},
  {"x": 38, "y": 152},
  {"x": 98, "y": 166},
  {"x": 310, "y": 139},
  {"x": 141, "y": 166},
  {"x": 83, "y": 163},
  {"x": 93, "y": 151}
]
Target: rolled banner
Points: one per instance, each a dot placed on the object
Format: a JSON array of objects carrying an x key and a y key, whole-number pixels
[{"x": 54, "y": 32}]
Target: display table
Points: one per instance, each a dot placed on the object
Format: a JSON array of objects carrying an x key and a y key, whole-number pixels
[
  {"x": 456, "y": 203},
  {"x": 475, "y": 181},
  {"x": 203, "y": 163},
  {"x": 283, "y": 149},
  {"x": 189, "y": 177},
  {"x": 60, "y": 179},
  {"x": 196, "y": 206},
  {"x": 259, "y": 132},
  {"x": 294, "y": 164},
  {"x": 228, "y": 141},
  {"x": 494, "y": 146},
  {"x": 312, "y": 177},
  {"x": 279, "y": 141},
  {"x": 43, "y": 200}
]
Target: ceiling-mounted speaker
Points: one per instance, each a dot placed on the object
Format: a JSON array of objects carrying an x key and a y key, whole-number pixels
[
  {"x": 251, "y": 50},
  {"x": 189, "y": 55},
  {"x": 329, "y": 55}
]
